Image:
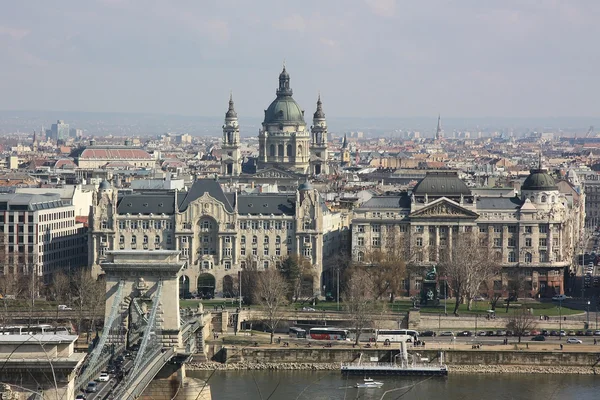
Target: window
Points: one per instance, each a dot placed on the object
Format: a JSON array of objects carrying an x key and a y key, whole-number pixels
[
  {"x": 482, "y": 229},
  {"x": 134, "y": 224},
  {"x": 227, "y": 252},
  {"x": 121, "y": 224},
  {"x": 266, "y": 240},
  {"x": 528, "y": 229},
  {"x": 543, "y": 242},
  {"x": 243, "y": 251},
  {"x": 543, "y": 199},
  {"x": 419, "y": 241},
  {"x": 205, "y": 264},
  {"x": 145, "y": 239},
  {"x": 289, "y": 240},
  {"x": 266, "y": 251},
  {"x": 512, "y": 242},
  {"x": 360, "y": 229},
  {"x": 206, "y": 224},
  {"x": 243, "y": 225},
  {"x": 360, "y": 241},
  {"x": 306, "y": 225},
  {"x": 278, "y": 224},
  {"x": 157, "y": 224},
  {"x": 133, "y": 239},
  {"x": 254, "y": 224},
  {"x": 104, "y": 224},
  {"x": 145, "y": 224},
  {"x": 512, "y": 229},
  {"x": 243, "y": 264},
  {"x": 227, "y": 265},
  {"x": 254, "y": 239},
  {"x": 528, "y": 242},
  {"x": 102, "y": 239},
  {"x": 376, "y": 228},
  {"x": 184, "y": 239},
  {"x": 254, "y": 252},
  {"x": 377, "y": 242},
  {"x": 278, "y": 251},
  {"x": 431, "y": 241},
  {"x": 185, "y": 252},
  {"x": 554, "y": 242},
  {"x": 528, "y": 258},
  {"x": 443, "y": 241},
  {"x": 156, "y": 239},
  {"x": 497, "y": 242},
  {"x": 306, "y": 239},
  {"x": 289, "y": 225},
  {"x": 278, "y": 240},
  {"x": 265, "y": 264},
  {"x": 360, "y": 256},
  {"x": 543, "y": 228},
  {"x": 543, "y": 256},
  {"x": 169, "y": 240},
  {"x": 121, "y": 239},
  {"x": 419, "y": 229},
  {"x": 227, "y": 239},
  {"x": 243, "y": 240},
  {"x": 307, "y": 252},
  {"x": 512, "y": 257},
  {"x": 497, "y": 228},
  {"x": 403, "y": 228},
  {"x": 432, "y": 229}
]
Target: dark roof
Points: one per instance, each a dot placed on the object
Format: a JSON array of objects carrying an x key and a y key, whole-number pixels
[
  {"x": 201, "y": 186},
  {"x": 539, "y": 179},
  {"x": 157, "y": 202},
  {"x": 441, "y": 183},
  {"x": 267, "y": 204},
  {"x": 29, "y": 202},
  {"x": 498, "y": 203},
  {"x": 387, "y": 202}
]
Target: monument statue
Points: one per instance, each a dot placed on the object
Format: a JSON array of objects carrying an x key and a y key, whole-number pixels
[{"x": 432, "y": 274}]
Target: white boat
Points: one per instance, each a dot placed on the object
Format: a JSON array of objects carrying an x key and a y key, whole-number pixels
[{"x": 369, "y": 383}]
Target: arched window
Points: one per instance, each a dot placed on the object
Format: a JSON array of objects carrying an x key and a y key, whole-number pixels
[
  {"x": 532, "y": 199},
  {"x": 133, "y": 239},
  {"x": 512, "y": 257},
  {"x": 361, "y": 256},
  {"x": 289, "y": 150},
  {"x": 528, "y": 258},
  {"x": 266, "y": 240},
  {"x": 156, "y": 239},
  {"x": 121, "y": 239},
  {"x": 254, "y": 240},
  {"x": 278, "y": 240},
  {"x": 300, "y": 150},
  {"x": 280, "y": 150},
  {"x": 272, "y": 150},
  {"x": 145, "y": 239},
  {"x": 243, "y": 240},
  {"x": 543, "y": 198}
]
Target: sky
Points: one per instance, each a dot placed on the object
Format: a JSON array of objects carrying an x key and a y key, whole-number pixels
[{"x": 367, "y": 58}]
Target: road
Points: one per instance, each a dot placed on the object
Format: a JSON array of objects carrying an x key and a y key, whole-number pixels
[
  {"x": 587, "y": 340},
  {"x": 104, "y": 388}
]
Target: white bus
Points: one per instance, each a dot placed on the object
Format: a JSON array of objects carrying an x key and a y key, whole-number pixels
[
  {"x": 396, "y": 335},
  {"x": 297, "y": 333},
  {"x": 366, "y": 334}
]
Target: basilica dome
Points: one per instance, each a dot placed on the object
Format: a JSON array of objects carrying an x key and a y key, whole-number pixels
[
  {"x": 539, "y": 179},
  {"x": 284, "y": 109}
]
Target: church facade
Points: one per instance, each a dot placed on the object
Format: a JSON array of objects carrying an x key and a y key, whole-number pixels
[
  {"x": 285, "y": 141},
  {"x": 533, "y": 236}
]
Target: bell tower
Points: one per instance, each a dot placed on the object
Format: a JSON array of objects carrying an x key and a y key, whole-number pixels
[
  {"x": 318, "y": 142},
  {"x": 231, "y": 159}
]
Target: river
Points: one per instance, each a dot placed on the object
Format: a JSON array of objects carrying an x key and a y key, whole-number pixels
[{"x": 318, "y": 385}]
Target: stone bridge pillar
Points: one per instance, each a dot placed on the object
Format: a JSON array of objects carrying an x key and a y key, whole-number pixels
[{"x": 141, "y": 270}]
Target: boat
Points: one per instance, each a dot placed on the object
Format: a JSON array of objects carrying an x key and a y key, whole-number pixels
[{"x": 368, "y": 383}]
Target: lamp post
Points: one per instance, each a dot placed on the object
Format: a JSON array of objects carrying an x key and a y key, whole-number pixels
[
  {"x": 240, "y": 287},
  {"x": 338, "y": 288},
  {"x": 588, "y": 314},
  {"x": 596, "y": 316},
  {"x": 559, "y": 319}
]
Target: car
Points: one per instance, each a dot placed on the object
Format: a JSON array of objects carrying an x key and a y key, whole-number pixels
[
  {"x": 500, "y": 333},
  {"x": 465, "y": 333},
  {"x": 573, "y": 340},
  {"x": 308, "y": 309},
  {"x": 490, "y": 333},
  {"x": 481, "y": 333},
  {"x": 479, "y": 298},
  {"x": 589, "y": 333},
  {"x": 427, "y": 333},
  {"x": 562, "y": 333},
  {"x": 535, "y": 332},
  {"x": 63, "y": 307},
  {"x": 80, "y": 397},
  {"x": 446, "y": 333},
  {"x": 580, "y": 333},
  {"x": 91, "y": 387},
  {"x": 126, "y": 353},
  {"x": 104, "y": 377},
  {"x": 597, "y": 333},
  {"x": 538, "y": 338},
  {"x": 559, "y": 297}
]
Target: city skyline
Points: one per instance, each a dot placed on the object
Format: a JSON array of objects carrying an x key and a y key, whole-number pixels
[{"x": 370, "y": 59}]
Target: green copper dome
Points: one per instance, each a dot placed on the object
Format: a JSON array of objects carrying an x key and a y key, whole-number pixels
[
  {"x": 284, "y": 108},
  {"x": 539, "y": 179}
]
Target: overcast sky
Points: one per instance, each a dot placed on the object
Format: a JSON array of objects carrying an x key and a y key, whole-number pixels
[{"x": 468, "y": 58}]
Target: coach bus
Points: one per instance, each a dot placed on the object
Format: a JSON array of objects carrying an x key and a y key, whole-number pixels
[
  {"x": 296, "y": 332},
  {"x": 397, "y": 335},
  {"x": 328, "y": 334}
]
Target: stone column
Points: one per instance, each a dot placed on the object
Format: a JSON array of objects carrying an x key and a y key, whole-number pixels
[
  {"x": 450, "y": 236},
  {"x": 437, "y": 243},
  {"x": 549, "y": 244}
]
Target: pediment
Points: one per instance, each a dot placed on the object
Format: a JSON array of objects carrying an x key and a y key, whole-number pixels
[
  {"x": 444, "y": 208},
  {"x": 275, "y": 173}
]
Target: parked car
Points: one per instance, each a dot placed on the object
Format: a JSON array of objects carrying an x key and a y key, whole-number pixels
[
  {"x": 571, "y": 333},
  {"x": 479, "y": 298},
  {"x": 80, "y": 397},
  {"x": 63, "y": 307},
  {"x": 562, "y": 333},
  {"x": 573, "y": 340},
  {"x": 308, "y": 309},
  {"x": 427, "y": 333},
  {"x": 597, "y": 333},
  {"x": 589, "y": 333},
  {"x": 580, "y": 333},
  {"x": 104, "y": 377},
  {"x": 538, "y": 338},
  {"x": 490, "y": 333},
  {"x": 91, "y": 387},
  {"x": 465, "y": 333},
  {"x": 447, "y": 333},
  {"x": 481, "y": 333},
  {"x": 500, "y": 333},
  {"x": 535, "y": 332},
  {"x": 553, "y": 333},
  {"x": 559, "y": 297}
]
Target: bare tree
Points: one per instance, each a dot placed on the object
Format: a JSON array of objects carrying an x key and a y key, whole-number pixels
[
  {"x": 514, "y": 288},
  {"x": 270, "y": 292},
  {"x": 61, "y": 287},
  {"x": 520, "y": 322},
  {"x": 387, "y": 272},
  {"x": 84, "y": 287},
  {"x": 296, "y": 271},
  {"x": 358, "y": 300},
  {"x": 467, "y": 263}
]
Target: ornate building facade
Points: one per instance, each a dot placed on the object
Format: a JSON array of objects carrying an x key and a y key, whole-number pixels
[
  {"x": 533, "y": 236},
  {"x": 231, "y": 161},
  {"x": 218, "y": 233}
]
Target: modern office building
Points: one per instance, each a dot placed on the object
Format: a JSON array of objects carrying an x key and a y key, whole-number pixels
[{"x": 60, "y": 131}]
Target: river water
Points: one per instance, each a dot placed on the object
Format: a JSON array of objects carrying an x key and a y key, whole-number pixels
[{"x": 319, "y": 385}]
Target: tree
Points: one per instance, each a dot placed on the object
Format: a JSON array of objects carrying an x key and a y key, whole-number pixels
[
  {"x": 514, "y": 289},
  {"x": 270, "y": 292},
  {"x": 249, "y": 277},
  {"x": 87, "y": 297},
  {"x": 520, "y": 322},
  {"x": 296, "y": 271},
  {"x": 61, "y": 287},
  {"x": 467, "y": 263},
  {"x": 358, "y": 300},
  {"x": 387, "y": 270}
]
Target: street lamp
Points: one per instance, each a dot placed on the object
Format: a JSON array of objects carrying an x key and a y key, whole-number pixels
[
  {"x": 338, "y": 288},
  {"x": 559, "y": 318},
  {"x": 588, "y": 314}
]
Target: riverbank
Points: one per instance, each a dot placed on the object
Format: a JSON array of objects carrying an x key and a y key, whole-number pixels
[{"x": 453, "y": 369}]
